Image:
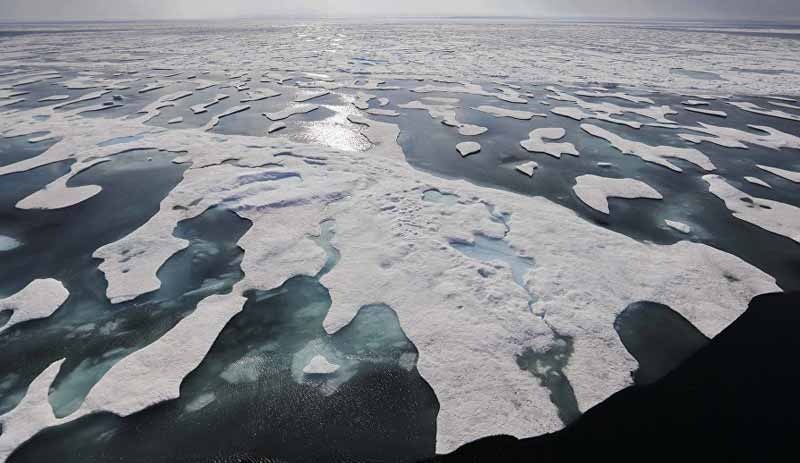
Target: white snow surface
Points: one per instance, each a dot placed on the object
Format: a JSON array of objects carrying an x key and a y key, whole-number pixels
[
  {"x": 594, "y": 190},
  {"x": 39, "y": 299},
  {"x": 776, "y": 217},
  {"x": 536, "y": 142},
  {"x": 654, "y": 154},
  {"x": 319, "y": 365},
  {"x": 790, "y": 175}
]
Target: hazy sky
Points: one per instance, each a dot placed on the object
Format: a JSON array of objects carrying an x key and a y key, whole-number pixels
[{"x": 143, "y": 9}]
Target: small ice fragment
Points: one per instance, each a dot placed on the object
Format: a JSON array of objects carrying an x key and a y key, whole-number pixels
[
  {"x": 529, "y": 168},
  {"x": 276, "y": 126},
  {"x": 319, "y": 365},
  {"x": 757, "y": 181},
  {"x": 468, "y": 147},
  {"x": 680, "y": 226},
  {"x": 175, "y": 120}
]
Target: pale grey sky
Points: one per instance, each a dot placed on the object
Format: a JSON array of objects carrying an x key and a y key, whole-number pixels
[{"x": 190, "y": 9}]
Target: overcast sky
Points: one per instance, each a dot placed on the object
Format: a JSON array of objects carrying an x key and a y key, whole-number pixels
[{"x": 189, "y": 9}]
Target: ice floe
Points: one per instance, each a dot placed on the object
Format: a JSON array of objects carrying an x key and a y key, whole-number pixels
[
  {"x": 594, "y": 191},
  {"x": 708, "y": 112},
  {"x": 503, "y": 112},
  {"x": 447, "y": 113},
  {"x": 790, "y": 175},
  {"x": 536, "y": 142},
  {"x": 756, "y": 109},
  {"x": 468, "y": 147},
  {"x": 734, "y": 138},
  {"x": 203, "y": 107},
  {"x": 776, "y": 217},
  {"x": 57, "y": 195},
  {"x": 758, "y": 181},
  {"x": 528, "y": 168},
  {"x": 234, "y": 110},
  {"x": 654, "y": 154},
  {"x": 319, "y": 365},
  {"x": 680, "y": 226},
  {"x": 37, "y": 300},
  {"x": 291, "y": 111}
]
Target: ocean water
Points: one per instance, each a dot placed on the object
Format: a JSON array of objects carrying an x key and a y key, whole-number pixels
[{"x": 248, "y": 400}]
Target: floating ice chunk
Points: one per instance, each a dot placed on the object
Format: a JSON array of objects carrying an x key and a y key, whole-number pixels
[
  {"x": 41, "y": 138},
  {"x": 154, "y": 373},
  {"x": 735, "y": 138},
  {"x": 306, "y": 96},
  {"x": 709, "y": 112},
  {"x": 362, "y": 100},
  {"x": 152, "y": 86},
  {"x": 654, "y": 154},
  {"x": 785, "y": 105},
  {"x": 529, "y": 168},
  {"x": 291, "y": 111},
  {"x": 680, "y": 226},
  {"x": 203, "y": 107},
  {"x": 383, "y": 101},
  {"x": 594, "y": 191},
  {"x": 604, "y": 164},
  {"x": 177, "y": 96},
  {"x": 175, "y": 120},
  {"x": 259, "y": 94},
  {"x": 758, "y": 181},
  {"x": 756, "y": 109},
  {"x": 447, "y": 113},
  {"x": 53, "y": 98},
  {"x": 215, "y": 120},
  {"x": 695, "y": 103},
  {"x": 776, "y": 217},
  {"x": 276, "y": 126},
  {"x": 536, "y": 142},
  {"x": 620, "y": 95},
  {"x": 319, "y": 365},
  {"x": 383, "y": 112},
  {"x": 468, "y": 147},
  {"x": 81, "y": 99},
  {"x": 605, "y": 110},
  {"x": 503, "y": 112},
  {"x": 790, "y": 175},
  {"x": 31, "y": 415},
  {"x": 37, "y": 300},
  {"x": 6, "y": 103},
  {"x": 579, "y": 115},
  {"x": 57, "y": 195}
]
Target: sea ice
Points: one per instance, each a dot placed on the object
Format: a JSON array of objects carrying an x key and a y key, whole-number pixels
[
  {"x": 37, "y": 300},
  {"x": 776, "y": 217},
  {"x": 790, "y": 175},
  {"x": 291, "y": 111},
  {"x": 528, "y": 168},
  {"x": 319, "y": 365},
  {"x": 536, "y": 142},
  {"x": 654, "y": 154},
  {"x": 680, "y": 226},
  {"x": 468, "y": 147},
  {"x": 503, "y": 112},
  {"x": 758, "y": 181},
  {"x": 594, "y": 191}
]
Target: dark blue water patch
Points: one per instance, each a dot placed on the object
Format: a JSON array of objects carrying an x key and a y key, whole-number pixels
[
  {"x": 93, "y": 335},
  {"x": 548, "y": 367},
  {"x": 659, "y": 339},
  {"x": 246, "y": 401},
  {"x": 17, "y": 149}
]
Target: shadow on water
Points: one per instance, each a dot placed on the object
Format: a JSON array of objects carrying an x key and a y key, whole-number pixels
[
  {"x": 659, "y": 338},
  {"x": 249, "y": 399}
]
